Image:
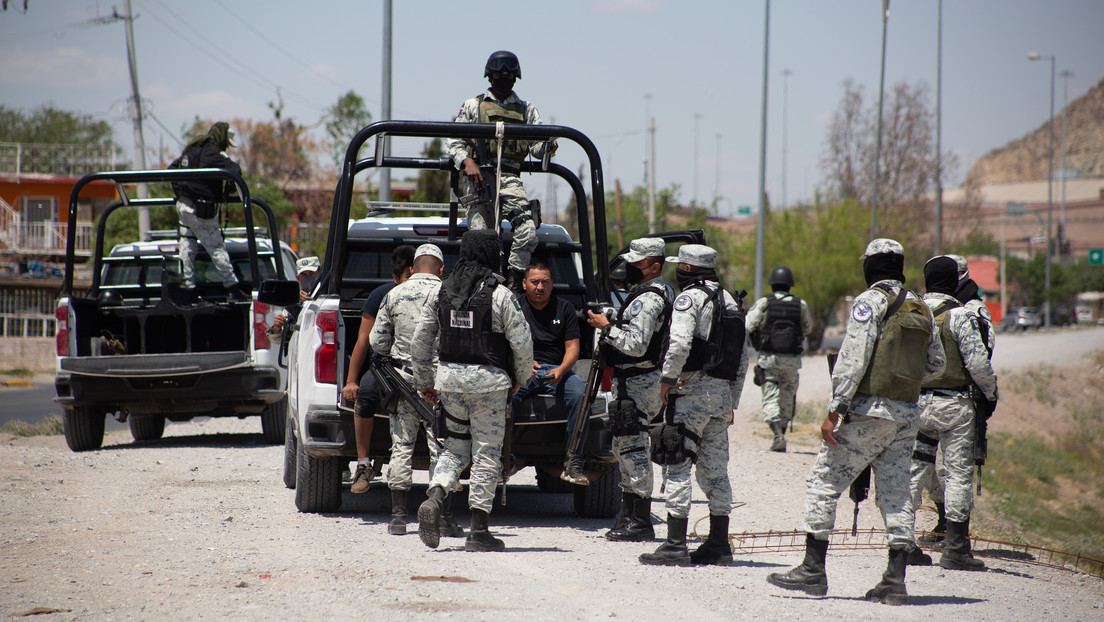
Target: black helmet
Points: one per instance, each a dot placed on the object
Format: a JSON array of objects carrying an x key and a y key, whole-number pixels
[
  {"x": 502, "y": 62},
  {"x": 781, "y": 276}
]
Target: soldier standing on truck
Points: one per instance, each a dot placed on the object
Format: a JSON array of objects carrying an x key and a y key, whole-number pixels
[
  {"x": 198, "y": 204},
  {"x": 635, "y": 340},
  {"x": 478, "y": 161},
  {"x": 360, "y": 384},
  {"x": 391, "y": 335},
  {"x": 477, "y": 330},
  {"x": 777, "y": 325}
]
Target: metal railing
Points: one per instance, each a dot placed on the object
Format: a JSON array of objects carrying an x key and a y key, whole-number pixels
[
  {"x": 27, "y": 325},
  {"x": 75, "y": 160}
]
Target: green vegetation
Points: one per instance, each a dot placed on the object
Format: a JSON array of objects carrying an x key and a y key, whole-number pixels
[
  {"x": 18, "y": 371},
  {"x": 50, "y": 426}
]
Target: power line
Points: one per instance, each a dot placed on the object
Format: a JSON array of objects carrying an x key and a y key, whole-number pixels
[{"x": 226, "y": 57}]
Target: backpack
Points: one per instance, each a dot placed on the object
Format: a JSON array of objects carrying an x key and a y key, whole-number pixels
[
  {"x": 720, "y": 355},
  {"x": 782, "y": 333}
]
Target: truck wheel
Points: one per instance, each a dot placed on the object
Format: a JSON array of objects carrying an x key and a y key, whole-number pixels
[
  {"x": 550, "y": 483},
  {"x": 272, "y": 422},
  {"x": 289, "y": 453},
  {"x": 317, "y": 482},
  {"x": 602, "y": 498},
  {"x": 147, "y": 428},
  {"x": 84, "y": 428}
]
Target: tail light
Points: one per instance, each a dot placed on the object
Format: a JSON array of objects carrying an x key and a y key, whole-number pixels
[
  {"x": 607, "y": 379},
  {"x": 260, "y": 326},
  {"x": 62, "y": 337},
  {"x": 325, "y": 357}
]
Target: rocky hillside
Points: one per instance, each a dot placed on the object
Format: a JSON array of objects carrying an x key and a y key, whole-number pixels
[{"x": 1025, "y": 159}]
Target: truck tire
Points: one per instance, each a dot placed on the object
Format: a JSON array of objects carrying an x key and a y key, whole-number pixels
[
  {"x": 273, "y": 419},
  {"x": 147, "y": 428},
  {"x": 602, "y": 498},
  {"x": 317, "y": 482},
  {"x": 84, "y": 428},
  {"x": 289, "y": 453}
]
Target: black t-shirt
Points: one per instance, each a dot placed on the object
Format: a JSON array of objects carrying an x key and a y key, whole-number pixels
[
  {"x": 375, "y": 299},
  {"x": 551, "y": 327}
]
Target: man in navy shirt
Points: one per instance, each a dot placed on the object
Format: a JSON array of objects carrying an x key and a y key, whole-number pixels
[
  {"x": 555, "y": 329},
  {"x": 360, "y": 384}
]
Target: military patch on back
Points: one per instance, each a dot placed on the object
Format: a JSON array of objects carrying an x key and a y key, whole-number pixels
[
  {"x": 683, "y": 302},
  {"x": 862, "y": 312}
]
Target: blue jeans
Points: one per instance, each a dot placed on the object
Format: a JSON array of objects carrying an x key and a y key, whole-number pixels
[{"x": 568, "y": 391}]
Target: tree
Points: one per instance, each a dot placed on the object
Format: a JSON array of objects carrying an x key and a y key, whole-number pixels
[
  {"x": 343, "y": 120},
  {"x": 50, "y": 125},
  {"x": 432, "y": 186}
]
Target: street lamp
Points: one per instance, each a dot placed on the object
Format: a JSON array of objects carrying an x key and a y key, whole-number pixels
[
  {"x": 1050, "y": 187},
  {"x": 697, "y": 118},
  {"x": 786, "y": 73},
  {"x": 1065, "y": 75}
]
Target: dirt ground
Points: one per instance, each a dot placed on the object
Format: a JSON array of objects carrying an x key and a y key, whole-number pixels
[{"x": 198, "y": 526}]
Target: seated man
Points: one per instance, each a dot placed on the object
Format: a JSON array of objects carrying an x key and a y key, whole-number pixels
[
  {"x": 555, "y": 329},
  {"x": 306, "y": 272}
]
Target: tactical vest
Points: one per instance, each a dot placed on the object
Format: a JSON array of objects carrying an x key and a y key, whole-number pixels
[
  {"x": 900, "y": 355},
  {"x": 954, "y": 374},
  {"x": 654, "y": 352},
  {"x": 719, "y": 356},
  {"x": 781, "y": 332},
  {"x": 490, "y": 111},
  {"x": 466, "y": 335}
]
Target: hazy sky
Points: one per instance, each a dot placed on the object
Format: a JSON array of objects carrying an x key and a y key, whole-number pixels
[{"x": 585, "y": 63}]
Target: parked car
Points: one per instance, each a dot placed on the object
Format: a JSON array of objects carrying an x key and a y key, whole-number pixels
[
  {"x": 1028, "y": 317},
  {"x": 132, "y": 347}
]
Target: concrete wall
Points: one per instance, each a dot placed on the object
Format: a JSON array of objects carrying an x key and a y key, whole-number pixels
[{"x": 34, "y": 353}]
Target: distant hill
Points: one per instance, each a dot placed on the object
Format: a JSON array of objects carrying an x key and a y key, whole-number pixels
[{"x": 1025, "y": 159}]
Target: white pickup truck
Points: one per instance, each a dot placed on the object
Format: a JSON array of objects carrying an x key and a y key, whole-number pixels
[
  {"x": 320, "y": 439},
  {"x": 132, "y": 348}
]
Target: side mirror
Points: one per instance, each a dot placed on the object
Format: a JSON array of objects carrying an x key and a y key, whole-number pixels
[{"x": 279, "y": 293}]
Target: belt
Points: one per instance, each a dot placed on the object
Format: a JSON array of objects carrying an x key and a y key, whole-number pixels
[
  {"x": 947, "y": 391},
  {"x": 632, "y": 372},
  {"x": 192, "y": 203}
]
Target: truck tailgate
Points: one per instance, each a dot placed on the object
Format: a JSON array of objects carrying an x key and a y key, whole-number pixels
[{"x": 155, "y": 364}]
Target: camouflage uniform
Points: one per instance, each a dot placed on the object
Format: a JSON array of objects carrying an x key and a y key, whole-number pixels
[
  {"x": 704, "y": 404},
  {"x": 478, "y": 394},
  {"x": 873, "y": 431},
  {"x": 948, "y": 415},
  {"x": 633, "y": 339},
  {"x": 780, "y": 370},
  {"x": 391, "y": 336},
  {"x": 481, "y": 215},
  {"x": 194, "y": 230}
]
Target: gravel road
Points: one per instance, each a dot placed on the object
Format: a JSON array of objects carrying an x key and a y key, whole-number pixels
[{"x": 199, "y": 526}]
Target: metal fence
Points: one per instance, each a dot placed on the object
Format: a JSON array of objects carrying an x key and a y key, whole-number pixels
[
  {"x": 57, "y": 160},
  {"x": 27, "y": 325}
]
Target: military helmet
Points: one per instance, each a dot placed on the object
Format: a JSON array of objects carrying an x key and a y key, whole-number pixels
[
  {"x": 502, "y": 62},
  {"x": 781, "y": 276}
]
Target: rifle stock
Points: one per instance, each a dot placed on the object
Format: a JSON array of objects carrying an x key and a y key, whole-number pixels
[
  {"x": 391, "y": 383},
  {"x": 860, "y": 488}
]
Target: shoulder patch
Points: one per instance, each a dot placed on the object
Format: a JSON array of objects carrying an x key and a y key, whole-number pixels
[
  {"x": 517, "y": 305},
  {"x": 683, "y": 302},
  {"x": 862, "y": 312},
  {"x": 636, "y": 307}
]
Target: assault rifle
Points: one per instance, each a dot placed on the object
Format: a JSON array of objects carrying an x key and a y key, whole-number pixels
[
  {"x": 597, "y": 364},
  {"x": 983, "y": 409},
  {"x": 393, "y": 386},
  {"x": 860, "y": 488}
]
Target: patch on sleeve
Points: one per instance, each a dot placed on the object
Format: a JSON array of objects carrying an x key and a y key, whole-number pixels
[
  {"x": 635, "y": 308},
  {"x": 862, "y": 312},
  {"x": 517, "y": 305},
  {"x": 683, "y": 302}
]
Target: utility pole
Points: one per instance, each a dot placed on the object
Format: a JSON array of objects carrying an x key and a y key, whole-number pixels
[
  {"x": 878, "y": 143},
  {"x": 786, "y": 73},
  {"x": 697, "y": 118},
  {"x": 385, "y": 101},
  {"x": 717, "y": 181},
  {"x": 939, "y": 137},
  {"x": 761, "y": 217},
  {"x": 651, "y": 163}
]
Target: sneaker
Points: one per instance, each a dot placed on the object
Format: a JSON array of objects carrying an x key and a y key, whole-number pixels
[{"x": 361, "y": 479}]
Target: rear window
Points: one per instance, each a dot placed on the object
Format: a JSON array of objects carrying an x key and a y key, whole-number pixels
[
  {"x": 148, "y": 272},
  {"x": 375, "y": 263}
]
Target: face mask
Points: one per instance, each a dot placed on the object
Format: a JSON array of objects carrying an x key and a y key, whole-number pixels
[
  {"x": 685, "y": 278},
  {"x": 502, "y": 85},
  {"x": 633, "y": 274}
]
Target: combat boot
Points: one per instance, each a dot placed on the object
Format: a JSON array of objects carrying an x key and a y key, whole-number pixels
[
  {"x": 956, "y": 549},
  {"x": 673, "y": 550},
  {"x": 449, "y": 527},
  {"x": 514, "y": 280},
  {"x": 398, "y": 513},
  {"x": 891, "y": 590},
  {"x": 480, "y": 538},
  {"x": 937, "y": 533},
  {"x": 779, "y": 442},
  {"x": 716, "y": 550},
  {"x": 623, "y": 514},
  {"x": 810, "y": 576},
  {"x": 917, "y": 557},
  {"x": 639, "y": 525},
  {"x": 429, "y": 517}
]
